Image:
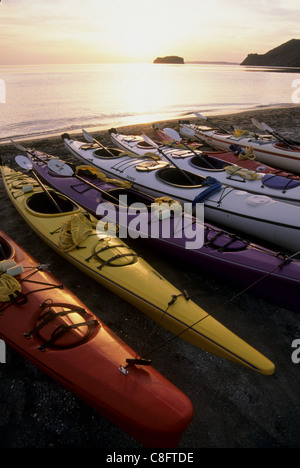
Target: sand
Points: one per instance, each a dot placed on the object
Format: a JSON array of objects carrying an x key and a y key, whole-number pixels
[{"x": 234, "y": 407}]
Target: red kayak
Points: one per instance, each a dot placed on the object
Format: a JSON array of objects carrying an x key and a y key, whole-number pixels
[
  {"x": 251, "y": 164},
  {"x": 46, "y": 323}
]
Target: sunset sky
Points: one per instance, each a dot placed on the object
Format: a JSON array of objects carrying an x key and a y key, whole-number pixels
[{"x": 96, "y": 31}]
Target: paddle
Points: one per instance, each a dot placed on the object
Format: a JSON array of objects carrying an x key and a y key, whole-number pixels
[
  {"x": 25, "y": 163},
  {"x": 91, "y": 139},
  {"x": 172, "y": 133},
  {"x": 151, "y": 142},
  {"x": 200, "y": 116},
  {"x": 64, "y": 170},
  {"x": 267, "y": 128},
  {"x": 258, "y": 124}
]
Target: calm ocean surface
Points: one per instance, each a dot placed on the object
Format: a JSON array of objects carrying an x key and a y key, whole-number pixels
[{"x": 51, "y": 99}]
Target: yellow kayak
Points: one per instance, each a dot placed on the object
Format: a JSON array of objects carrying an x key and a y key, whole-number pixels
[{"x": 108, "y": 260}]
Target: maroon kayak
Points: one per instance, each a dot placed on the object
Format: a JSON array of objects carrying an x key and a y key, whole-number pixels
[{"x": 234, "y": 156}]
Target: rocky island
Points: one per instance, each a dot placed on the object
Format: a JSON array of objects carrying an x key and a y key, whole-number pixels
[
  {"x": 169, "y": 59},
  {"x": 285, "y": 55}
]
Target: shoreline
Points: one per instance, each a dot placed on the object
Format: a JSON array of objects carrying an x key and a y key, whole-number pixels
[
  {"x": 264, "y": 112},
  {"x": 234, "y": 407}
]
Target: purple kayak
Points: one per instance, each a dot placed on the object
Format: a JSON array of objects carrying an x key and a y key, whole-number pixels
[{"x": 273, "y": 276}]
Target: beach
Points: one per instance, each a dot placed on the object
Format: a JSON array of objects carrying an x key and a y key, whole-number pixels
[{"x": 234, "y": 407}]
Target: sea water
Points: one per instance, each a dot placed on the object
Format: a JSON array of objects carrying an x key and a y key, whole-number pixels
[{"x": 51, "y": 99}]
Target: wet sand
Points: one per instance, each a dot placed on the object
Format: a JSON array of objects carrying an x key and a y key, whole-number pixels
[{"x": 234, "y": 407}]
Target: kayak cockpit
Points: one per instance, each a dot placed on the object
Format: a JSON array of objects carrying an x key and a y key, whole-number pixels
[
  {"x": 180, "y": 178},
  {"x": 208, "y": 163},
  {"x": 41, "y": 203},
  {"x": 111, "y": 153},
  {"x": 284, "y": 146},
  {"x": 6, "y": 250}
]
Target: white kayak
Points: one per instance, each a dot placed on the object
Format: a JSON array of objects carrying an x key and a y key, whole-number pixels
[
  {"x": 269, "y": 151},
  {"x": 256, "y": 215},
  {"x": 284, "y": 189}
]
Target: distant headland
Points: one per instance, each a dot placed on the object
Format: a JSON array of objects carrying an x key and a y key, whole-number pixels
[
  {"x": 285, "y": 55},
  {"x": 169, "y": 59}
]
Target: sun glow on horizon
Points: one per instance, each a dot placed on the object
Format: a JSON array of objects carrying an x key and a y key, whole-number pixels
[{"x": 35, "y": 31}]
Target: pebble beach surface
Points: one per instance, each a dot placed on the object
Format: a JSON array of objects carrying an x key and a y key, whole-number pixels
[{"x": 234, "y": 407}]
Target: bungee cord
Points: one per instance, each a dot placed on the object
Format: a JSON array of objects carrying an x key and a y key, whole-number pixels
[{"x": 287, "y": 259}]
